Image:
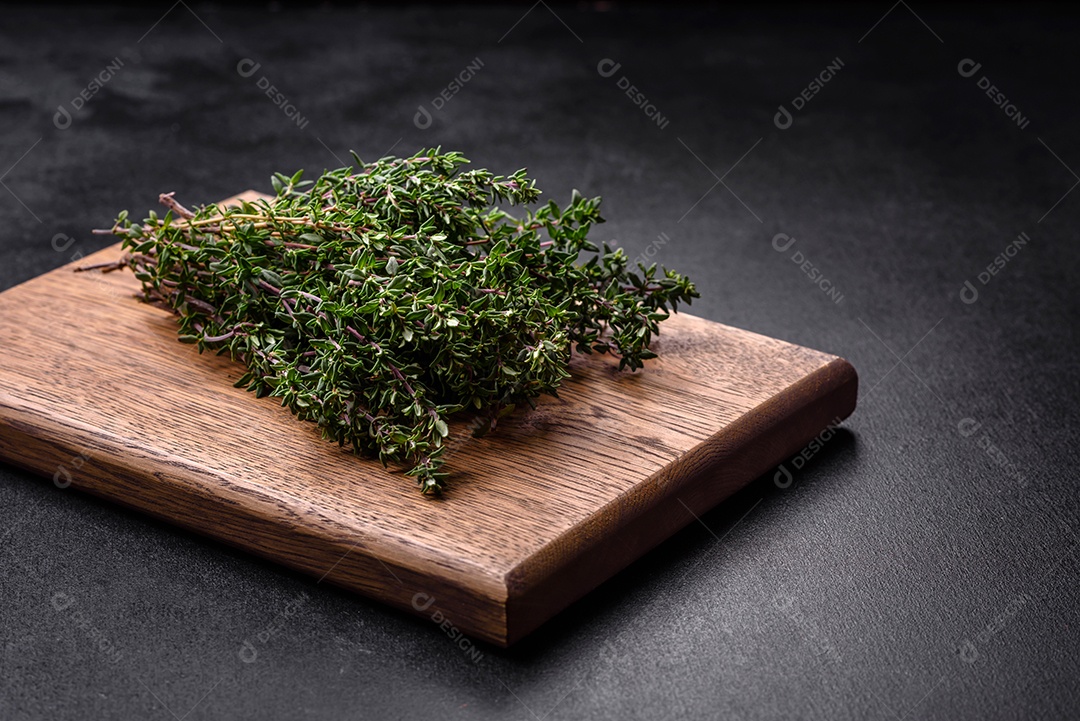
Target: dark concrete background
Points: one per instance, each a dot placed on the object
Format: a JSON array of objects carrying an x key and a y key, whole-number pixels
[{"x": 918, "y": 567}]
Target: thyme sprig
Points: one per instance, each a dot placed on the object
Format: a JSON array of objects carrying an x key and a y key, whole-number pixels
[{"x": 377, "y": 300}]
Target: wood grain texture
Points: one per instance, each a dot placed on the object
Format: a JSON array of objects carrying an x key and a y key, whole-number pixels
[{"x": 96, "y": 391}]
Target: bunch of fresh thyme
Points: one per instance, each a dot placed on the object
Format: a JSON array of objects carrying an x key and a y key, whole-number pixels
[{"x": 377, "y": 300}]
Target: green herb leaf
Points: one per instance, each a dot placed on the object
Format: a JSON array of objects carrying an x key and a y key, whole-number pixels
[{"x": 380, "y": 299}]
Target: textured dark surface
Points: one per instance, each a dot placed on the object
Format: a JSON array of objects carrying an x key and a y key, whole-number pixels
[{"x": 916, "y": 568}]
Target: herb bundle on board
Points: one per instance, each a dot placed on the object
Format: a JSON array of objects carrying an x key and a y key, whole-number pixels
[{"x": 378, "y": 300}]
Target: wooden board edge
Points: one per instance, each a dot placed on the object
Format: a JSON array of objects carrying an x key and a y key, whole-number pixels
[
  {"x": 625, "y": 529},
  {"x": 49, "y": 448}
]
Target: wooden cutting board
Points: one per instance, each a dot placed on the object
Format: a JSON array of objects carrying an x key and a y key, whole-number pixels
[{"x": 96, "y": 393}]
